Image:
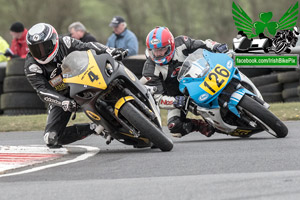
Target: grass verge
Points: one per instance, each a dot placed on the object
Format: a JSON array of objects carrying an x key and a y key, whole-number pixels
[{"x": 284, "y": 111}]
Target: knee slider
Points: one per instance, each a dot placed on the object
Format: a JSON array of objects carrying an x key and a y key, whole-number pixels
[{"x": 175, "y": 125}]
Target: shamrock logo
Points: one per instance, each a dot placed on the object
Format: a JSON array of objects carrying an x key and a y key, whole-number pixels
[
  {"x": 244, "y": 23},
  {"x": 265, "y": 18}
]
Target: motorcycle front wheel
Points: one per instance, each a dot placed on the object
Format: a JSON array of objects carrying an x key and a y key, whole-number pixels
[
  {"x": 280, "y": 47},
  {"x": 268, "y": 120},
  {"x": 146, "y": 127}
]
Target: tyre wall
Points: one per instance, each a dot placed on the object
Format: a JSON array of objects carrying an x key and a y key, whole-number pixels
[
  {"x": 18, "y": 97},
  {"x": 2, "y": 75},
  {"x": 279, "y": 86},
  {"x": 275, "y": 84}
]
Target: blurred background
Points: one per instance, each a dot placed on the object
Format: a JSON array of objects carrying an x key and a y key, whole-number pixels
[{"x": 199, "y": 19}]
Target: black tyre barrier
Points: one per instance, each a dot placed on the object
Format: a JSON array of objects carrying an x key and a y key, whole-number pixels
[
  {"x": 21, "y": 100},
  {"x": 288, "y": 77},
  {"x": 17, "y": 84},
  {"x": 298, "y": 90},
  {"x": 135, "y": 64},
  {"x": 1, "y": 111},
  {"x": 265, "y": 80},
  {"x": 289, "y": 93},
  {"x": 272, "y": 97},
  {"x": 273, "y": 87},
  {"x": 15, "y": 67},
  {"x": 1, "y": 88},
  {"x": 292, "y": 99},
  {"x": 2, "y": 74},
  {"x": 253, "y": 72},
  {"x": 291, "y": 85},
  {"x": 24, "y": 111}
]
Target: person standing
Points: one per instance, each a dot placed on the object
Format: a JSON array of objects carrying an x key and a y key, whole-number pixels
[
  {"x": 18, "y": 45},
  {"x": 122, "y": 37},
  {"x": 78, "y": 31},
  {"x": 4, "y": 46}
]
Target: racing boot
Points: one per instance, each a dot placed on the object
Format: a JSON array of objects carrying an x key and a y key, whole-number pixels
[
  {"x": 202, "y": 126},
  {"x": 51, "y": 140}
]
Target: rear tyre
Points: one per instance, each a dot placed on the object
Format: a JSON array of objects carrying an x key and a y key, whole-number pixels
[
  {"x": 273, "y": 125},
  {"x": 147, "y": 128}
]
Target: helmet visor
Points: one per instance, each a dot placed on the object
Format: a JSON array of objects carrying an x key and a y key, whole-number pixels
[
  {"x": 42, "y": 50},
  {"x": 160, "y": 53}
]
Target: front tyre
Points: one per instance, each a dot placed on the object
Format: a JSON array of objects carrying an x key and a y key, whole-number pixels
[
  {"x": 146, "y": 127},
  {"x": 271, "y": 123}
]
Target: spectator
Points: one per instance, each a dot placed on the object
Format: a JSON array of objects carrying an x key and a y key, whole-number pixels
[
  {"x": 78, "y": 31},
  {"x": 4, "y": 46},
  {"x": 122, "y": 36},
  {"x": 18, "y": 46}
]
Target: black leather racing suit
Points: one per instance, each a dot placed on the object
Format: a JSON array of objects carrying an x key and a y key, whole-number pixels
[
  {"x": 164, "y": 78},
  {"x": 47, "y": 81}
]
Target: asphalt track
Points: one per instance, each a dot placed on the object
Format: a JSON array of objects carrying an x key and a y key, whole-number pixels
[{"x": 220, "y": 167}]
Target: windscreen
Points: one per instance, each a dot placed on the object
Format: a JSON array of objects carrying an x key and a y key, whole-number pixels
[
  {"x": 194, "y": 66},
  {"x": 74, "y": 64}
]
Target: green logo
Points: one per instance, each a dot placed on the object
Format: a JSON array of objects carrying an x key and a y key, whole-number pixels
[{"x": 244, "y": 23}]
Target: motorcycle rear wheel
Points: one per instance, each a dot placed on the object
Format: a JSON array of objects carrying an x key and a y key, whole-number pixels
[
  {"x": 147, "y": 128},
  {"x": 271, "y": 123}
]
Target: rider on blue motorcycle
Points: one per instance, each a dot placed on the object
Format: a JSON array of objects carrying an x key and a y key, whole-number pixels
[{"x": 165, "y": 56}]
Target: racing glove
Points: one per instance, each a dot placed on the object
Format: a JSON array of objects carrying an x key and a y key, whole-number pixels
[
  {"x": 179, "y": 102},
  {"x": 69, "y": 106},
  {"x": 220, "y": 48},
  {"x": 118, "y": 53}
]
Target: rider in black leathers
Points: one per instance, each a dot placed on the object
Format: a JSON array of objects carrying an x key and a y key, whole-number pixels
[
  {"x": 43, "y": 71},
  {"x": 164, "y": 59}
]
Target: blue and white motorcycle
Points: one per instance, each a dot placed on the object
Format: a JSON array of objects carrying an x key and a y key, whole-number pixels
[{"x": 224, "y": 97}]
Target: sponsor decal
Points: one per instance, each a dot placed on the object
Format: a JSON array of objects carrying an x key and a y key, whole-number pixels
[
  {"x": 203, "y": 97},
  {"x": 185, "y": 38},
  {"x": 35, "y": 68},
  {"x": 67, "y": 41},
  {"x": 56, "y": 81},
  {"x": 166, "y": 102},
  {"x": 36, "y": 37},
  {"x": 229, "y": 64},
  {"x": 48, "y": 99},
  {"x": 155, "y": 41},
  {"x": 93, "y": 115},
  {"x": 53, "y": 73},
  {"x": 60, "y": 87},
  {"x": 175, "y": 72}
]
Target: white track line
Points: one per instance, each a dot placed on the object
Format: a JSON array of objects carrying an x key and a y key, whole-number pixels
[{"x": 91, "y": 151}]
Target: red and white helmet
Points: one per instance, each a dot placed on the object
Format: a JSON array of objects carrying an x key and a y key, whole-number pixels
[
  {"x": 43, "y": 43},
  {"x": 160, "y": 45}
]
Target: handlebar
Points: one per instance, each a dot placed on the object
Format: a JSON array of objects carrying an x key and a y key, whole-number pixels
[{"x": 121, "y": 55}]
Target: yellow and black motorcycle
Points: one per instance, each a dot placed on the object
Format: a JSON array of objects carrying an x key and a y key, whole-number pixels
[{"x": 112, "y": 96}]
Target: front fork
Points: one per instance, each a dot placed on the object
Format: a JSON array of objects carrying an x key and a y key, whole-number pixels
[{"x": 233, "y": 94}]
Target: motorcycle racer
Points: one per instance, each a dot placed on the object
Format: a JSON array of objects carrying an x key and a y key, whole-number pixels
[
  {"x": 165, "y": 55},
  {"x": 43, "y": 71}
]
